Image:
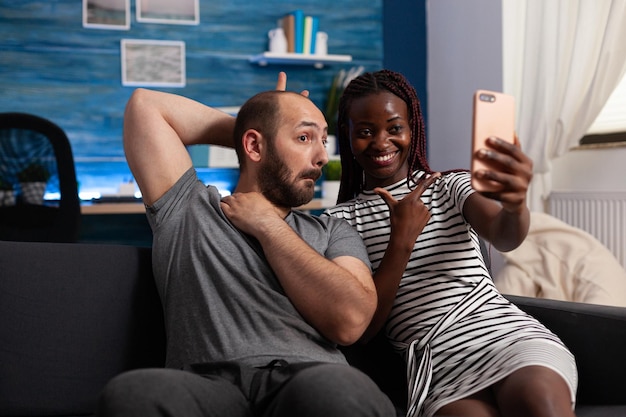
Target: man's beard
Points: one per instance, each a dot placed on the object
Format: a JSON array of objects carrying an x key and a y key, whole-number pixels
[{"x": 276, "y": 184}]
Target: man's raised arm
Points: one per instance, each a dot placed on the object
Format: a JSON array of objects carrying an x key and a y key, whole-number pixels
[{"x": 157, "y": 128}]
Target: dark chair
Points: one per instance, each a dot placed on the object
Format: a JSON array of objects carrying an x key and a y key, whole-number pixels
[{"x": 35, "y": 150}]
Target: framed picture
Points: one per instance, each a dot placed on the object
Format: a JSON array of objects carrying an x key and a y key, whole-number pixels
[
  {"x": 174, "y": 12},
  {"x": 153, "y": 63},
  {"x": 106, "y": 14}
]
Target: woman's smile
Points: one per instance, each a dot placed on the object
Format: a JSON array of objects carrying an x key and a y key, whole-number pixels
[{"x": 380, "y": 138}]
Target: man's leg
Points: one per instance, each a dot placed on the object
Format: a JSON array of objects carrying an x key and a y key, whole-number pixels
[
  {"x": 330, "y": 390},
  {"x": 169, "y": 392}
]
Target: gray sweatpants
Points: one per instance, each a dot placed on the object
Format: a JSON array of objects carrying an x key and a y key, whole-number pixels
[{"x": 232, "y": 390}]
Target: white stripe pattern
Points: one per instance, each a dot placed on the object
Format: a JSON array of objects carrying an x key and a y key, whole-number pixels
[{"x": 458, "y": 333}]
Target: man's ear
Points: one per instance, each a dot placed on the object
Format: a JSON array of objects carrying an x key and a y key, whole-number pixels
[{"x": 252, "y": 144}]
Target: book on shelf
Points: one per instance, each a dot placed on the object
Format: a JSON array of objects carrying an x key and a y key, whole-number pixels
[
  {"x": 298, "y": 26},
  {"x": 300, "y": 31},
  {"x": 288, "y": 25},
  {"x": 311, "y": 24}
]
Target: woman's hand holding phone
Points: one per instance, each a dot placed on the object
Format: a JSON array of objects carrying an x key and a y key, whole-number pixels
[{"x": 500, "y": 170}]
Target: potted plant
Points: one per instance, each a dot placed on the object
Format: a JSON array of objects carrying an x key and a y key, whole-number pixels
[
  {"x": 7, "y": 193},
  {"x": 340, "y": 81},
  {"x": 332, "y": 178},
  {"x": 332, "y": 170},
  {"x": 33, "y": 180}
]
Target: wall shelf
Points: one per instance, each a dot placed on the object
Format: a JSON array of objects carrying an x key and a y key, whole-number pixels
[{"x": 317, "y": 61}]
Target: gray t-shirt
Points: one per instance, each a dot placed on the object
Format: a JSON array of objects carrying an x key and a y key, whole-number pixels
[{"x": 222, "y": 301}]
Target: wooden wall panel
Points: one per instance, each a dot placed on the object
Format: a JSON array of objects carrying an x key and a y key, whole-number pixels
[{"x": 53, "y": 67}]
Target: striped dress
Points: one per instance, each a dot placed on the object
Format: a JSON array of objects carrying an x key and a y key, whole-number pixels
[{"x": 457, "y": 333}]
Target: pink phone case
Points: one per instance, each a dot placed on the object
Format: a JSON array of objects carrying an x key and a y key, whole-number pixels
[{"x": 494, "y": 115}]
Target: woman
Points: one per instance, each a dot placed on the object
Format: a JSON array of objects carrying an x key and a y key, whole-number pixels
[{"x": 469, "y": 351}]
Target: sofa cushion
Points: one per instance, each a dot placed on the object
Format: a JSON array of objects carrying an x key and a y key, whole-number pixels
[
  {"x": 71, "y": 317},
  {"x": 596, "y": 335}
]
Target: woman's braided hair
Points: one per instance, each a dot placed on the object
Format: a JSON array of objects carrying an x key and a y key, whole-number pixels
[{"x": 352, "y": 181}]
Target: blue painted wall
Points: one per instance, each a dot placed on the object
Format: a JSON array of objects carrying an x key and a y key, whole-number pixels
[
  {"x": 51, "y": 66},
  {"x": 405, "y": 43}
]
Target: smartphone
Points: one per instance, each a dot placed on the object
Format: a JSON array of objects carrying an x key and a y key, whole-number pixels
[{"x": 494, "y": 115}]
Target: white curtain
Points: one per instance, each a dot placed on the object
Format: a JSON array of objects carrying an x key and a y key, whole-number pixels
[{"x": 562, "y": 60}]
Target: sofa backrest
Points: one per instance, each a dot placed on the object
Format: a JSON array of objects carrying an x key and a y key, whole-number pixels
[{"x": 72, "y": 316}]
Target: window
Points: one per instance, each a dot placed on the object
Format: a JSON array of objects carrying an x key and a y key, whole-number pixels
[{"x": 610, "y": 125}]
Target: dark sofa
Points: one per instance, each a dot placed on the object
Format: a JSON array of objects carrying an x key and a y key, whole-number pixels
[{"x": 74, "y": 315}]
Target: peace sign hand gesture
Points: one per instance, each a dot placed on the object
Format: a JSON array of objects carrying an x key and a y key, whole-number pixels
[{"x": 408, "y": 216}]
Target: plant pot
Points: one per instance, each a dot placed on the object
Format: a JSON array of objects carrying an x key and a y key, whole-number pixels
[
  {"x": 330, "y": 191},
  {"x": 32, "y": 192},
  {"x": 7, "y": 198},
  {"x": 331, "y": 145}
]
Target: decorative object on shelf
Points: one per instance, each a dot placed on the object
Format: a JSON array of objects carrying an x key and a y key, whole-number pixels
[
  {"x": 277, "y": 41},
  {"x": 332, "y": 179},
  {"x": 297, "y": 40},
  {"x": 33, "y": 180},
  {"x": 321, "y": 43},
  {"x": 341, "y": 80},
  {"x": 7, "y": 193}
]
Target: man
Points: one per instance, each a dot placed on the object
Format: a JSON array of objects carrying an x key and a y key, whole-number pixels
[{"x": 256, "y": 296}]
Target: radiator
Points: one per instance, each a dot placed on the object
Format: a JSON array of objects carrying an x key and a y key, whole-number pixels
[{"x": 601, "y": 214}]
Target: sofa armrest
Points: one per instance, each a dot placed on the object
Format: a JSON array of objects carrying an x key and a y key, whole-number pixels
[{"x": 596, "y": 335}]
